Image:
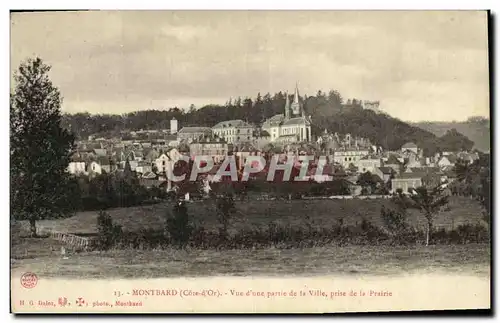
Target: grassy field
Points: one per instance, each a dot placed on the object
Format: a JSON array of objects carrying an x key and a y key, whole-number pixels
[
  {"x": 322, "y": 213},
  {"x": 42, "y": 257}
]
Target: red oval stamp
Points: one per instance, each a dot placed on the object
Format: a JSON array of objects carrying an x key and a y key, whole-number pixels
[{"x": 29, "y": 280}]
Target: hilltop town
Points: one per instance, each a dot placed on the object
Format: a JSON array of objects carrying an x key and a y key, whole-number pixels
[{"x": 150, "y": 153}]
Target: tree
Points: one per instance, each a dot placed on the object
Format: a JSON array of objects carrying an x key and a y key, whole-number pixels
[
  {"x": 367, "y": 181},
  {"x": 40, "y": 149},
  {"x": 178, "y": 226},
  {"x": 428, "y": 201},
  {"x": 225, "y": 208},
  {"x": 127, "y": 170}
]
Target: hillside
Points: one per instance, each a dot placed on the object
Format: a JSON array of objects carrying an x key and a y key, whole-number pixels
[
  {"x": 326, "y": 109},
  {"x": 476, "y": 129}
]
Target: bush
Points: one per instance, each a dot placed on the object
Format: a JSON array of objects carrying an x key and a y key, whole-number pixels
[
  {"x": 180, "y": 233},
  {"x": 225, "y": 208},
  {"x": 109, "y": 234}
]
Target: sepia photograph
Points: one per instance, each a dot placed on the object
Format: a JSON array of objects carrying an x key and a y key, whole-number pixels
[{"x": 250, "y": 161}]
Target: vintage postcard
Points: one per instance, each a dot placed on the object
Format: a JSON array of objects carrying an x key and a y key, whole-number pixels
[{"x": 249, "y": 161}]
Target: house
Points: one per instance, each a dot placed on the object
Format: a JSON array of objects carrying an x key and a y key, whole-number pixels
[
  {"x": 166, "y": 160},
  {"x": 354, "y": 188},
  {"x": 394, "y": 162},
  {"x": 212, "y": 146},
  {"x": 100, "y": 152},
  {"x": 102, "y": 165},
  {"x": 348, "y": 156},
  {"x": 135, "y": 155},
  {"x": 448, "y": 160},
  {"x": 77, "y": 166},
  {"x": 151, "y": 155},
  {"x": 368, "y": 164},
  {"x": 428, "y": 171},
  {"x": 406, "y": 181},
  {"x": 468, "y": 157},
  {"x": 233, "y": 131},
  {"x": 133, "y": 164},
  {"x": 189, "y": 134},
  {"x": 150, "y": 179},
  {"x": 143, "y": 167},
  {"x": 385, "y": 173},
  {"x": 171, "y": 140},
  {"x": 410, "y": 146}
]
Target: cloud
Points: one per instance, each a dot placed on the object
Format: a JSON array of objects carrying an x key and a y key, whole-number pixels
[{"x": 130, "y": 59}]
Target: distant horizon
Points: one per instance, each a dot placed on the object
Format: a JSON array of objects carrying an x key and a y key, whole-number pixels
[
  {"x": 199, "y": 107},
  {"x": 421, "y": 65}
]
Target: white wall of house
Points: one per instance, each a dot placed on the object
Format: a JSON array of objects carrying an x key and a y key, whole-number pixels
[
  {"x": 368, "y": 165},
  {"x": 76, "y": 167},
  {"x": 95, "y": 167},
  {"x": 405, "y": 184},
  {"x": 162, "y": 163},
  {"x": 144, "y": 168},
  {"x": 444, "y": 161}
]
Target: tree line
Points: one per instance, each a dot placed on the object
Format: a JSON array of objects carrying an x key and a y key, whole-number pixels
[{"x": 327, "y": 110}]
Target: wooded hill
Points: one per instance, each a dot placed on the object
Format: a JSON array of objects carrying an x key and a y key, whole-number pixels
[
  {"x": 327, "y": 110},
  {"x": 476, "y": 129}
]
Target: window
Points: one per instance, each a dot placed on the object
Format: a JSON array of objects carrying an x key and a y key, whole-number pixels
[
  {"x": 163, "y": 163},
  {"x": 345, "y": 159}
]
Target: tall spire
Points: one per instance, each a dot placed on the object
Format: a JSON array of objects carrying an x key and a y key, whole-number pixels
[
  {"x": 287, "y": 106},
  {"x": 296, "y": 96},
  {"x": 296, "y": 104}
]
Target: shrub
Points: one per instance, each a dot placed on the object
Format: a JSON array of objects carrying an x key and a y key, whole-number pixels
[
  {"x": 178, "y": 226},
  {"x": 109, "y": 234},
  {"x": 225, "y": 207}
]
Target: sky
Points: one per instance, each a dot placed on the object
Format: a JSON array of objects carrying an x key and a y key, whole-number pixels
[{"x": 420, "y": 65}]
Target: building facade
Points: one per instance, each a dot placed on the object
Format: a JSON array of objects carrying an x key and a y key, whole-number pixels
[
  {"x": 212, "y": 146},
  {"x": 292, "y": 126},
  {"x": 189, "y": 134},
  {"x": 348, "y": 156},
  {"x": 233, "y": 131}
]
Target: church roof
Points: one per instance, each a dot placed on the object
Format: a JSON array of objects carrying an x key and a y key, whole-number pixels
[
  {"x": 274, "y": 120},
  {"x": 296, "y": 121}
]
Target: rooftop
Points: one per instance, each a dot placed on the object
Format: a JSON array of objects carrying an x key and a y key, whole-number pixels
[
  {"x": 231, "y": 123},
  {"x": 409, "y": 145},
  {"x": 195, "y": 130}
]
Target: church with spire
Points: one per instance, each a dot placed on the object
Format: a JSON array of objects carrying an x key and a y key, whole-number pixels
[{"x": 291, "y": 126}]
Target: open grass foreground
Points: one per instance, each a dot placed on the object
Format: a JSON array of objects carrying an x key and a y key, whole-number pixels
[
  {"x": 322, "y": 213},
  {"x": 42, "y": 257}
]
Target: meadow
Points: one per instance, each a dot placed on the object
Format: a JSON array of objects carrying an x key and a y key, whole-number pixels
[
  {"x": 42, "y": 255},
  {"x": 320, "y": 213}
]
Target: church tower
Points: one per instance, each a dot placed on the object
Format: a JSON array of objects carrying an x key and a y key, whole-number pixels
[
  {"x": 287, "y": 106},
  {"x": 296, "y": 103}
]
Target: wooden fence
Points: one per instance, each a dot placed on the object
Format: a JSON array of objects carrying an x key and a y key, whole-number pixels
[{"x": 74, "y": 241}]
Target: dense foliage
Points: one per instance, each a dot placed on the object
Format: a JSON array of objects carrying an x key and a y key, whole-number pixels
[
  {"x": 40, "y": 148},
  {"x": 476, "y": 129}
]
